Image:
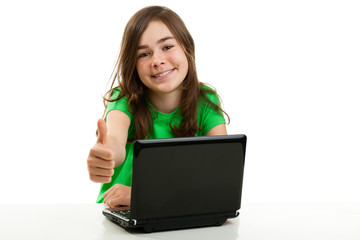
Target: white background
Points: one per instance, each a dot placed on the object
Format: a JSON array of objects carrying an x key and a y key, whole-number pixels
[{"x": 287, "y": 72}]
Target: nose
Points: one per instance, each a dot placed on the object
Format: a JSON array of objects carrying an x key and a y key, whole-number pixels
[{"x": 158, "y": 59}]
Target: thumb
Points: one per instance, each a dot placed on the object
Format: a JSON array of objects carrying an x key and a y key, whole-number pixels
[{"x": 102, "y": 131}]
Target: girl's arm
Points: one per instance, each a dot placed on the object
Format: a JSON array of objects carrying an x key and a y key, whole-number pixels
[
  {"x": 118, "y": 124},
  {"x": 217, "y": 130}
]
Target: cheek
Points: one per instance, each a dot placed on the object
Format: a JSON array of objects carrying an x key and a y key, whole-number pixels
[
  {"x": 181, "y": 60},
  {"x": 140, "y": 67},
  {"x": 143, "y": 72},
  {"x": 185, "y": 64}
]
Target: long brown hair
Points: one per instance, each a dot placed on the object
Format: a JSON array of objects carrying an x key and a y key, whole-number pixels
[{"x": 126, "y": 75}]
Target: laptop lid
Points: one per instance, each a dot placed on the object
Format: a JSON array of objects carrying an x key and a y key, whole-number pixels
[{"x": 187, "y": 176}]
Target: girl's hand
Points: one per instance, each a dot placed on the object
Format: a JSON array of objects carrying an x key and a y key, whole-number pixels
[
  {"x": 118, "y": 197},
  {"x": 101, "y": 160}
]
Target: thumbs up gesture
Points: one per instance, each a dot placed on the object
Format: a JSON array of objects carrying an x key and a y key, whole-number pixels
[{"x": 101, "y": 161}]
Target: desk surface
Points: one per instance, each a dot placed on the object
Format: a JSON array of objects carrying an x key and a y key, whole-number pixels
[{"x": 256, "y": 221}]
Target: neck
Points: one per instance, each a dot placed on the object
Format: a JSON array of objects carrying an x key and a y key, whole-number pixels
[{"x": 165, "y": 102}]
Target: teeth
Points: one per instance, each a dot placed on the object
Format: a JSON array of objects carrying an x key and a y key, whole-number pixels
[{"x": 163, "y": 74}]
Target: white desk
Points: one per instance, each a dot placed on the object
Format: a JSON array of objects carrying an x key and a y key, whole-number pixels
[{"x": 340, "y": 221}]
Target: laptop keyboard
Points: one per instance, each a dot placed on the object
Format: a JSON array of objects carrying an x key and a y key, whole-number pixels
[{"x": 122, "y": 214}]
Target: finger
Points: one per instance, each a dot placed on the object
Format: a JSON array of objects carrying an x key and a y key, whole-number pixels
[
  {"x": 102, "y": 131},
  {"x": 121, "y": 208},
  {"x": 93, "y": 161},
  {"x": 118, "y": 201},
  {"x": 101, "y": 171},
  {"x": 99, "y": 179},
  {"x": 101, "y": 152},
  {"x": 109, "y": 194},
  {"x": 110, "y": 191}
]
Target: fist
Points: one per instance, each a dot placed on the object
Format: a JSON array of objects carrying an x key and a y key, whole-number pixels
[{"x": 101, "y": 160}]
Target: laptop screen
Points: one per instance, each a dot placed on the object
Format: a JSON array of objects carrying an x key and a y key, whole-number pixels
[{"x": 187, "y": 176}]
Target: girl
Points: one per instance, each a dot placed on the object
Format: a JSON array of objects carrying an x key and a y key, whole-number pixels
[{"x": 159, "y": 96}]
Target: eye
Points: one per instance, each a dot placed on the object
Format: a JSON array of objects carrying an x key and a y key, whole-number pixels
[
  {"x": 168, "y": 47},
  {"x": 144, "y": 55}
]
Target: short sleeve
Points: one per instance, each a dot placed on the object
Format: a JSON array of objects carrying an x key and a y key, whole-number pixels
[
  {"x": 121, "y": 104},
  {"x": 209, "y": 117}
]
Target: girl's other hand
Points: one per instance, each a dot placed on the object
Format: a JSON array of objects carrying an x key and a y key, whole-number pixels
[
  {"x": 101, "y": 160},
  {"x": 118, "y": 197}
]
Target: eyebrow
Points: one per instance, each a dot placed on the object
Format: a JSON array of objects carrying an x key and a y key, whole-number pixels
[{"x": 161, "y": 40}]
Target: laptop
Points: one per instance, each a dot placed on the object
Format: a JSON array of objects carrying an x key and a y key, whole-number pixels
[{"x": 184, "y": 183}]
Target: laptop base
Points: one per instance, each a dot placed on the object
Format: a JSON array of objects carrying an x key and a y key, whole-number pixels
[{"x": 154, "y": 225}]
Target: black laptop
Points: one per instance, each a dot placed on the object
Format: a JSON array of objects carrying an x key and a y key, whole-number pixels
[{"x": 184, "y": 183}]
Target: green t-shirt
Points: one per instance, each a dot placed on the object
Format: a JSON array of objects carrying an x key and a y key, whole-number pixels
[{"x": 207, "y": 119}]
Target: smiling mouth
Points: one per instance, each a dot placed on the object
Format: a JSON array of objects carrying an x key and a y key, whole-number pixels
[{"x": 163, "y": 74}]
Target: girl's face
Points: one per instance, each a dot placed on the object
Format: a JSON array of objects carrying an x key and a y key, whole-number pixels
[{"x": 161, "y": 61}]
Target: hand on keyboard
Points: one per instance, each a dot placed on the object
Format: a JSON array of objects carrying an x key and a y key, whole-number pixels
[{"x": 118, "y": 196}]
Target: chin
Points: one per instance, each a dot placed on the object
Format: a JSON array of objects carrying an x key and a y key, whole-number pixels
[
  {"x": 165, "y": 87},
  {"x": 165, "y": 90},
  {"x": 169, "y": 89}
]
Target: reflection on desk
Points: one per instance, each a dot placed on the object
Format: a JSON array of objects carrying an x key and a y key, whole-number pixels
[{"x": 256, "y": 221}]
